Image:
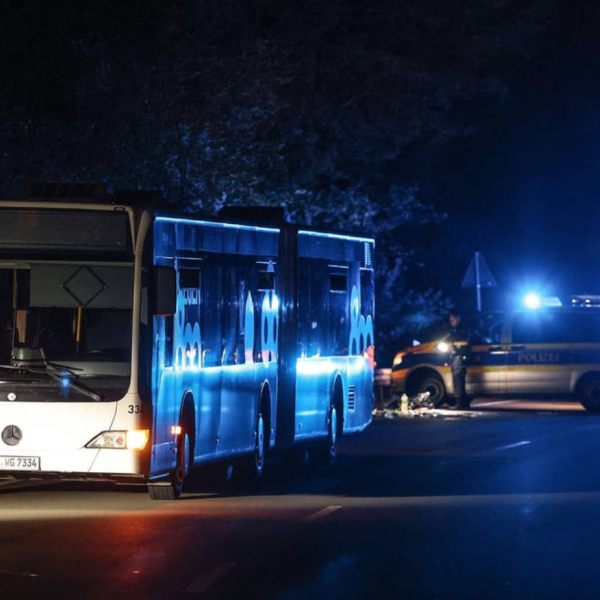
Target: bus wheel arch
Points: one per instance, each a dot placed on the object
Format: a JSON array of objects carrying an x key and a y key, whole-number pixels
[{"x": 588, "y": 391}]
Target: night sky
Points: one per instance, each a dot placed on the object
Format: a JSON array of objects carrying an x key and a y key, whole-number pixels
[
  {"x": 489, "y": 108},
  {"x": 526, "y": 189}
]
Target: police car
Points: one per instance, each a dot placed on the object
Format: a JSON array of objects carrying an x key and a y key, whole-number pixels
[{"x": 551, "y": 351}]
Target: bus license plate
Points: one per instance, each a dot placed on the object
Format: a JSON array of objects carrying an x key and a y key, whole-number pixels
[{"x": 19, "y": 463}]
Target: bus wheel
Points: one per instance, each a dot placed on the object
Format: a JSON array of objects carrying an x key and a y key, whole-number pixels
[
  {"x": 171, "y": 489},
  {"x": 255, "y": 464},
  {"x": 327, "y": 452},
  {"x": 259, "y": 446},
  {"x": 590, "y": 394}
]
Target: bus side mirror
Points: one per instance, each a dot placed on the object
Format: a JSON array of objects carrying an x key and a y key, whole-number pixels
[{"x": 165, "y": 291}]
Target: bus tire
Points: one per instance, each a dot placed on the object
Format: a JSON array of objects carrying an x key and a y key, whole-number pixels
[
  {"x": 260, "y": 450},
  {"x": 327, "y": 452},
  {"x": 589, "y": 394},
  {"x": 253, "y": 465},
  {"x": 172, "y": 488}
]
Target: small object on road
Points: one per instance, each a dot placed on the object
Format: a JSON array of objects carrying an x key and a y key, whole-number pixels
[{"x": 404, "y": 404}]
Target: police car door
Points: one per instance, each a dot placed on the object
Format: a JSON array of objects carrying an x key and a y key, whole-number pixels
[
  {"x": 485, "y": 372},
  {"x": 538, "y": 353}
]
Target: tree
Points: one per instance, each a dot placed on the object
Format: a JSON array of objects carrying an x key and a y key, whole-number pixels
[{"x": 332, "y": 110}]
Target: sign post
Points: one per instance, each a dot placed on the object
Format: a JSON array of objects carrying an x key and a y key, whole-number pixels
[{"x": 478, "y": 275}]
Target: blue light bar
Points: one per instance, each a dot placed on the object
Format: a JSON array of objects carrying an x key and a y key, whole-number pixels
[{"x": 532, "y": 300}]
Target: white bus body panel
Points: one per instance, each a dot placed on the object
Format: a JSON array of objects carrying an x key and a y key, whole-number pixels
[{"x": 59, "y": 437}]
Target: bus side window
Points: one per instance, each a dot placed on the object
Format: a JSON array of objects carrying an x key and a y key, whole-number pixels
[
  {"x": 211, "y": 315},
  {"x": 339, "y": 323},
  {"x": 313, "y": 307},
  {"x": 230, "y": 316},
  {"x": 164, "y": 324}
]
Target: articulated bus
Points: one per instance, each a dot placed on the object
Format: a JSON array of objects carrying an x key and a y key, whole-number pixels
[{"x": 137, "y": 345}]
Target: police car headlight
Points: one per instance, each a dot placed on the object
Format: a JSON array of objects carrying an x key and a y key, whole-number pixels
[{"x": 443, "y": 347}]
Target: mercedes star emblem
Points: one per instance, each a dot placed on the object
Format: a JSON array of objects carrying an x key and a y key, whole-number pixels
[{"x": 12, "y": 435}]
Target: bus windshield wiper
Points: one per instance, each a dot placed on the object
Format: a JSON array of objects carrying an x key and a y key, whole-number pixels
[{"x": 65, "y": 378}]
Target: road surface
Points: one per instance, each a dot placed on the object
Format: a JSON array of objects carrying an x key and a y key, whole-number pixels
[{"x": 494, "y": 503}]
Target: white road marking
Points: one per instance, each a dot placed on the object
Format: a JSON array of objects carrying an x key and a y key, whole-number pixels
[
  {"x": 516, "y": 445},
  {"x": 209, "y": 579},
  {"x": 3, "y": 572},
  {"x": 320, "y": 513}
]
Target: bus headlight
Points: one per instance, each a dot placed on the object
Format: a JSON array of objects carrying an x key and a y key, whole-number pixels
[{"x": 132, "y": 440}]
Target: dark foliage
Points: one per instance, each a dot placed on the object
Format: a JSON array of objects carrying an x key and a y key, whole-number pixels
[{"x": 334, "y": 110}]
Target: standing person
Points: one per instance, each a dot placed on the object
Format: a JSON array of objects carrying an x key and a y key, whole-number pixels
[{"x": 460, "y": 355}]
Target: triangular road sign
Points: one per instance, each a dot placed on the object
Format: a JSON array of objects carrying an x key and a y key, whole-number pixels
[{"x": 478, "y": 274}]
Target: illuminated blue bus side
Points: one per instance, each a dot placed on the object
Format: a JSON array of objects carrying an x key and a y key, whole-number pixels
[
  {"x": 209, "y": 353},
  {"x": 273, "y": 327},
  {"x": 335, "y": 330}
]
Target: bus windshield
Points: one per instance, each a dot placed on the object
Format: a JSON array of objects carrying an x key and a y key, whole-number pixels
[{"x": 71, "y": 319}]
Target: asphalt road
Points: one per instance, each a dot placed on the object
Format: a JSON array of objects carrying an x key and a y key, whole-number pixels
[{"x": 499, "y": 502}]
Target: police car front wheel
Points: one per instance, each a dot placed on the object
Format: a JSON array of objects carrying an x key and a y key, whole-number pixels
[{"x": 432, "y": 384}]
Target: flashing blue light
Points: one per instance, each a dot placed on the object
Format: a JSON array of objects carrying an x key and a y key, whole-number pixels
[{"x": 532, "y": 300}]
